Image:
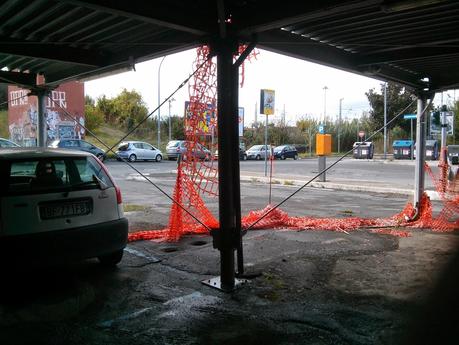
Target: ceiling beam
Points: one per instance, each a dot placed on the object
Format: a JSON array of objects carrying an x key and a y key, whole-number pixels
[
  {"x": 295, "y": 12},
  {"x": 283, "y": 42},
  {"x": 414, "y": 53},
  {"x": 51, "y": 52},
  {"x": 166, "y": 16},
  {"x": 16, "y": 78}
]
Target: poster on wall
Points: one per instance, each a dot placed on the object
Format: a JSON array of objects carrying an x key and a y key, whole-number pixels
[
  {"x": 23, "y": 114},
  {"x": 267, "y": 101},
  {"x": 204, "y": 122}
]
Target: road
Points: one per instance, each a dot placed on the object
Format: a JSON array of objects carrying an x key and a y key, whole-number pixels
[
  {"x": 255, "y": 192},
  {"x": 326, "y": 287}
]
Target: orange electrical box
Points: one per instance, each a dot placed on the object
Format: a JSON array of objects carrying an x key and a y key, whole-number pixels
[{"x": 323, "y": 144}]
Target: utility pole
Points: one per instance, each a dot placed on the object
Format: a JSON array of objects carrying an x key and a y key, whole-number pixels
[
  {"x": 339, "y": 125},
  {"x": 159, "y": 101},
  {"x": 170, "y": 127},
  {"x": 256, "y": 113},
  {"x": 385, "y": 120},
  {"x": 325, "y": 105}
]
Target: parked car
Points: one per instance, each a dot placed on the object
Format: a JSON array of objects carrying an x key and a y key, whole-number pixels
[
  {"x": 78, "y": 144},
  {"x": 59, "y": 205},
  {"x": 7, "y": 143},
  {"x": 176, "y": 148},
  {"x": 259, "y": 152},
  {"x": 138, "y": 150},
  {"x": 285, "y": 151},
  {"x": 242, "y": 154}
]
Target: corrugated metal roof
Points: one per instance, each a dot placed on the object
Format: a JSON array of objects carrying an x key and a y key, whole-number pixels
[{"x": 402, "y": 41}]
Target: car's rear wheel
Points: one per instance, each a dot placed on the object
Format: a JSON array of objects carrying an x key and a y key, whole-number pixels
[
  {"x": 295, "y": 157},
  {"x": 132, "y": 158},
  {"x": 159, "y": 158},
  {"x": 244, "y": 157},
  {"x": 282, "y": 157},
  {"x": 111, "y": 259},
  {"x": 258, "y": 157}
]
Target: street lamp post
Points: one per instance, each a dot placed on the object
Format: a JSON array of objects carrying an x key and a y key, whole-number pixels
[
  {"x": 159, "y": 101},
  {"x": 339, "y": 125},
  {"x": 325, "y": 103},
  {"x": 170, "y": 128}
]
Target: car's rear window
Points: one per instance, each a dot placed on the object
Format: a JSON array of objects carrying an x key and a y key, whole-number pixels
[
  {"x": 123, "y": 147},
  {"x": 49, "y": 175},
  {"x": 173, "y": 143}
]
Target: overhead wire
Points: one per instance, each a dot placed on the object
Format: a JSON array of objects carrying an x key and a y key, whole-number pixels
[
  {"x": 110, "y": 149},
  {"x": 329, "y": 167}
]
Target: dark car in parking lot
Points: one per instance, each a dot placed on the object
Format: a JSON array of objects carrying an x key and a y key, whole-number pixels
[
  {"x": 285, "y": 151},
  {"x": 242, "y": 154},
  {"x": 78, "y": 144},
  {"x": 7, "y": 143}
]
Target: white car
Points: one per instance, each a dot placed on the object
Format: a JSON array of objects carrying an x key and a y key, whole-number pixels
[
  {"x": 59, "y": 205},
  {"x": 138, "y": 150},
  {"x": 259, "y": 152}
]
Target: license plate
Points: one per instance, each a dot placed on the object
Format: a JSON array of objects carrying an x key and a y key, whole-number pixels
[{"x": 65, "y": 209}]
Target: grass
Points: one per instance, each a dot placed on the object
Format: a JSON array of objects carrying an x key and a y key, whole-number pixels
[
  {"x": 288, "y": 183},
  {"x": 133, "y": 207},
  {"x": 4, "y": 131}
]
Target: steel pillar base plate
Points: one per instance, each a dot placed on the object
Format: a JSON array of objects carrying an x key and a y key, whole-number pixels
[{"x": 216, "y": 284}]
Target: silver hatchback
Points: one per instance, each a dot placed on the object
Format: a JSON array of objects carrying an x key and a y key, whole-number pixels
[{"x": 138, "y": 150}]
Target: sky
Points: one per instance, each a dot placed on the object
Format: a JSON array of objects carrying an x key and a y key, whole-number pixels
[{"x": 298, "y": 84}]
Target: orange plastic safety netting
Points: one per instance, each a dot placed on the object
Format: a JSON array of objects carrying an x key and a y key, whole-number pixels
[{"x": 197, "y": 175}]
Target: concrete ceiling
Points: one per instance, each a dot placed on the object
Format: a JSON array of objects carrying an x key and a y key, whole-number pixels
[{"x": 403, "y": 41}]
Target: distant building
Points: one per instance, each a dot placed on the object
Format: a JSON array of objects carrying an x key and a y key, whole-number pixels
[{"x": 23, "y": 111}]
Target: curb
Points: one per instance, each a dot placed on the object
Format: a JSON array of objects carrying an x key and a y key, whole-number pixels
[{"x": 332, "y": 185}]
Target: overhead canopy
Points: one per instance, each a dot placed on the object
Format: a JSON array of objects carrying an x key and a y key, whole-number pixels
[{"x": 413, "y": 42}]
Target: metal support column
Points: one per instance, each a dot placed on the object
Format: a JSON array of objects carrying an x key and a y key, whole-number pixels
[
  {"x": 322, "y": 167},
  {"x": 420, "y": 152},
  {"x": 228, "y": 237},
  {"x": 41, "y": 120}
]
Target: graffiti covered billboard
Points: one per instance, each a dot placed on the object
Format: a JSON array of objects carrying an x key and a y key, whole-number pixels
[{"x": 23, "y": 114}]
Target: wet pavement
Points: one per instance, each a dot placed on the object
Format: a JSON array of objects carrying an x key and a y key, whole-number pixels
[{"x": 303, "y": 287}]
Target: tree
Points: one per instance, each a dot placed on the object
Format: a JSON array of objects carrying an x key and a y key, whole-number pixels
[
  {"x": 94, "y": 118},
  {"x": 398, "y": 98},
  {"x": 127, "y": 109}
]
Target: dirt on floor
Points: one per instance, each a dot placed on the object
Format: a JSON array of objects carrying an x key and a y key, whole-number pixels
[{"x": 307, "y": 287}]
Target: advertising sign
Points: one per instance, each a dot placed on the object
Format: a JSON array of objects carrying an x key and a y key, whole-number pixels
[
  {"x": 435, "y": 122},
  {"x": 241, "y": 121},
  {"x": 201, "y": 119},
  {"x": 267, "y": 98}
]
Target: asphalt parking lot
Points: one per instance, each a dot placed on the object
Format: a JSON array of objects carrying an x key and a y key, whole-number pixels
[{"x": 305, "y": 287}]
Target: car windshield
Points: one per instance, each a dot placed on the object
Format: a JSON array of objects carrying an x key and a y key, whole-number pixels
[
  {"x": 49, "y": 175},
  {"x": 123, "y": 147},
  {"x": 279, "y": 148},
  {"x": 256, "y": 148}
]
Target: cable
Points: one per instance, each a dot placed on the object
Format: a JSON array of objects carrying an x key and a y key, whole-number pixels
[
  {"x": 165, "y": 100},
  {"x": 328, "y": 168},
  {"x": 110, "y": 149}
]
